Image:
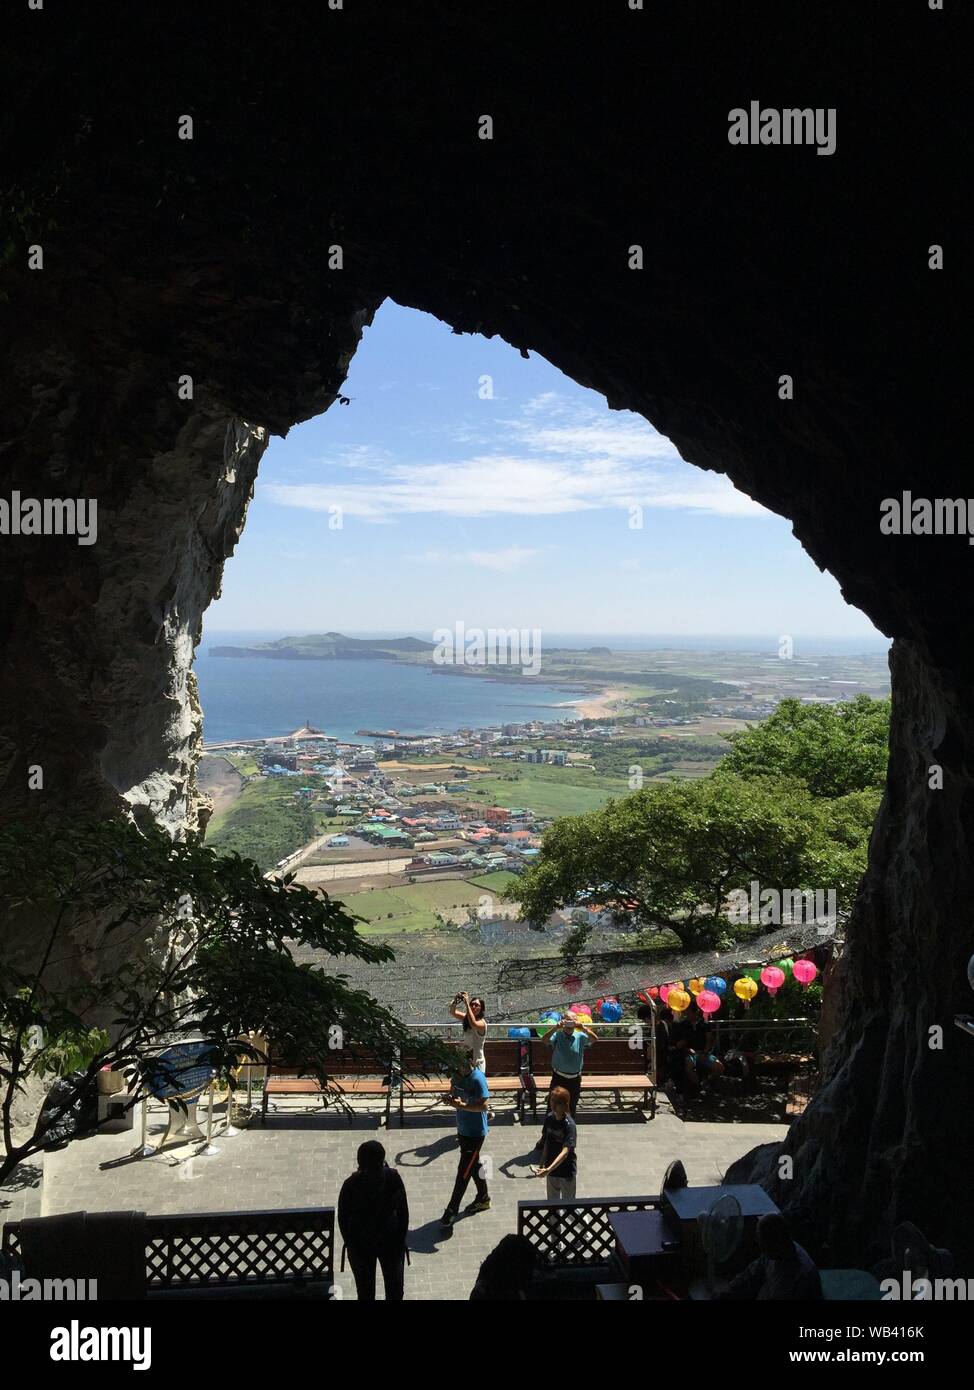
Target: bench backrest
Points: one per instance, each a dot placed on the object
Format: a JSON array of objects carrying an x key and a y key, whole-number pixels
[
  {"x": 503, "y": 1057},
  {"x": 605, "y": 1057},
  {"x": 345, "y": 1061}
]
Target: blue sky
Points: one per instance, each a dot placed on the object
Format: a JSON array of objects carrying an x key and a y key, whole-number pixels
[{"x": 510, "y": 511}]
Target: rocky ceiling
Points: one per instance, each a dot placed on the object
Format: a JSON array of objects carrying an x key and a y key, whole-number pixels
[{"x": 358, "y": 127}]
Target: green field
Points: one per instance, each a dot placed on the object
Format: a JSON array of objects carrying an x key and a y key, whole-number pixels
[
  {"x": 266, "y": 822},
  {"x": 411, "y": 907},
  {"x": 495, "y": 881},
  {"x": 548, "y": 791},
  {"x": 245, "y": 763}
]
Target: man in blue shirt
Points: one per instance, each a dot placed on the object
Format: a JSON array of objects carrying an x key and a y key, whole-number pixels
[
  {"x": 568, "y": 1043},
  {"x": 469, "y": 1097}
]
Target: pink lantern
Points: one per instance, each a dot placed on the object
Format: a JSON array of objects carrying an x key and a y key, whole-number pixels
[
  {"x": 804, "y": 972},
  {"x": 772, "y": 978},
  {"x": 708, "y": 1001},
  {"x": 664, "y": 992}
]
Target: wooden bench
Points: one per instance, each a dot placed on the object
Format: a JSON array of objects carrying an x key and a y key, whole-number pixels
[
  {"x": 231, "y": 1254},
  {"x": 610, "y": 1065},
  {"x": 352, "y": 1071},
  {"x": 507, "y": 1075}
]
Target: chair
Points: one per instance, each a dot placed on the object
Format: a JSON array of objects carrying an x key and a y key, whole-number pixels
[{"x": 675, "y": 1175}]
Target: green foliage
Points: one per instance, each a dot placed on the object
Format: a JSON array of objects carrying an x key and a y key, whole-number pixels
[
  {"x": 833, "y": 749},
  {"x": 667, "y": 857},
  {"x": 159, "y": 941}
]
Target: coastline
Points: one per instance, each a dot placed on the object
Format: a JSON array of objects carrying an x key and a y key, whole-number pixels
[{"x": 599, "y": 705}]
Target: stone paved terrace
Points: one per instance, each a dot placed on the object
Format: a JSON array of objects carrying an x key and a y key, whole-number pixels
[{"x": 300, "y": 1159}]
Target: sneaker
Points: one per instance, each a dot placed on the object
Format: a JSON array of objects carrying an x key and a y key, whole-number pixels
[
  {"x": 448, "y": 1217},
  {"x": 481, "y": 1204}
]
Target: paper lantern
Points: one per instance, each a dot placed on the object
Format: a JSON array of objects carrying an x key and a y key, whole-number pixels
[
  {"x": 805, "y": 972},
  {"x": 745, "y": 989},
  {"x": 787, "y": 966},
  {"x": 696, "y": 986},
  {"x": 664, "y": 992},
  {"x": 611, "y": 1010},
  {"x": 708, "y": 1001},
  {"x": 772, "y": 977},
  {"x": 519, "y": 1032},
  {"x": 678, "y": 1000},
  {"x": 550, "y": 1016},
  {"x": 716, "y": 984}
]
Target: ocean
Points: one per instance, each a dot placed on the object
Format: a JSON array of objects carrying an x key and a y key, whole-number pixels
[{"x": 251, "y": 697}]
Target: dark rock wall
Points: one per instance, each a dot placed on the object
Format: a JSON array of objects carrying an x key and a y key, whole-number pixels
[{"x": 359, "y": 128}]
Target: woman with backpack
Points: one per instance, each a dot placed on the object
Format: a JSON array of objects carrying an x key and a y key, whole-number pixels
[{"x": 373, "y": 1217}]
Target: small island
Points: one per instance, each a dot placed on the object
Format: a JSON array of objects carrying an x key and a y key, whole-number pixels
[{"x": 328, "y": 646}]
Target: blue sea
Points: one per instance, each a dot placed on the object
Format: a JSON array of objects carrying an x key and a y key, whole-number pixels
[{"x": 251, "y": 697}]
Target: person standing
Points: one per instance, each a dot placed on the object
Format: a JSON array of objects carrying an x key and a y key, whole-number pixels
[
  {"x": 568, "y": 1043},
  {"x": 473, "y": 1019},
  {"x": 373, "y": 1217},
  {"x": 470, "y": 1098},
  {"x": 558, "y": 1141}
]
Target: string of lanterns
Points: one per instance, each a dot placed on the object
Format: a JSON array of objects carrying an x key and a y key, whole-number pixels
[{"x": 707, "y": 992}]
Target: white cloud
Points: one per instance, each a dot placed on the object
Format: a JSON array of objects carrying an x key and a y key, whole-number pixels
[{"x": 566, "y": 457}]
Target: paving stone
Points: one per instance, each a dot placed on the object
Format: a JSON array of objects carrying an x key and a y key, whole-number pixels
[{"x": 298, "y": 1160}]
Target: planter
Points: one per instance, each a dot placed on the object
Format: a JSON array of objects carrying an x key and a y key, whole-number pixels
[{"x": 110, "y": 1082}]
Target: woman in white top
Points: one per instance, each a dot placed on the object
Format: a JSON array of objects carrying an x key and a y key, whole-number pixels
[{"x": 471, "y": 1014}]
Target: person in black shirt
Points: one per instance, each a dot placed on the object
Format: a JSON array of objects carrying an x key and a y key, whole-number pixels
[
  {"x": 558, "y": 1140},
  {"x": 373, "y": 1217}
]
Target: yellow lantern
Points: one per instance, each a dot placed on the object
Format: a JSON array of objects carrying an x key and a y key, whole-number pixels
[
  {"x": 678, "y": 1000},
  {"x": 696, "y": 986},
  {"x": 745, "y": 989}
]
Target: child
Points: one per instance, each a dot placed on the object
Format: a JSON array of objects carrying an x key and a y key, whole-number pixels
[{"x": 558, "y": 1163}]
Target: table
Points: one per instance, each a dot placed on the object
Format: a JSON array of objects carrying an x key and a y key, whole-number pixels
[
  {"x": 684, "y": 1205},
  {"x": 646, "y": 1245}
]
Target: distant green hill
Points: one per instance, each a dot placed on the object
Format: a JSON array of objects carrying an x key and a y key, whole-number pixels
[{"x": 327, "y": 645}]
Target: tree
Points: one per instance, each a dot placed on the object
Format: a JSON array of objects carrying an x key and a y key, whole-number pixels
[
  {"x": 832, "y": 749},
  {"x": 142, "y": 940},
  {"x": 665, "y": 858}
]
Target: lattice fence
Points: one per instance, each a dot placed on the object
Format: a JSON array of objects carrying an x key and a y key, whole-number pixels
[
  {"x": 232, "y": 1248},
  {"x": 576, "y": 1234},
  {"x": 248, "y": 1247}
]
